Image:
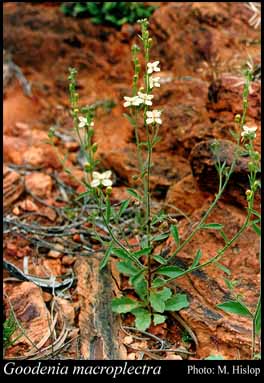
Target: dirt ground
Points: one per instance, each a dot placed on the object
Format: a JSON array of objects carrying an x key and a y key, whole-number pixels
[{"x": 202, "y": 48}]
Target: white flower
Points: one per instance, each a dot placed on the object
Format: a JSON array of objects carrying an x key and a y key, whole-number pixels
[
  {"x": 132, "y": 101},
  {"x": 153, "y": 67},
  {"x": 154, "y": 116},
  {"x": 154, "y": 81},
  {"x": 247, "y": 131},
  {"x": 145, "y": 98},
  {"x": 83, "y": 122},
  {"x": 101, "y": 179}
]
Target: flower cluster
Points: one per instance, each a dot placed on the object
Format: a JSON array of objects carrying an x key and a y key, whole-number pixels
[
  {"x": 84, "y": 122},
  {"x": 153, "y": 117},
  {"x": 101, "y": 179},
  {"x": 249, "y": 132}
]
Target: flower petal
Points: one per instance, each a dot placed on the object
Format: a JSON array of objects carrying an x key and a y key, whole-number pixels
[
  {"x": 95, "y": 183},
  {"x": 106, "y": 174},
  {"x": 96, "y": 175},
  {"x": 149, "y": 120},
  {"x": 107, "y": 182}
]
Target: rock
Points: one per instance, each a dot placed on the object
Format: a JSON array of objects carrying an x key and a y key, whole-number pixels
[
  {"x": 128, "y": 339},
  {"x": 204, "y": 171},
  {"x": 167, "y": 169},
  {"x": 31, "y": 312},
  {"x": 13, "y": 186},
  {"x": 28, "y": 205},
  {"x": 53, "y": 266},
  {"x": 39, "y": 184},
  {"x": 66, "y": 309},
  {"x": 54, "y": 254},
  {"x": 184, "y": 195},
  {"x": 68, "y": 260},
  {"x": 187, "y": 34},
  {"x": 216, "y": 330}
]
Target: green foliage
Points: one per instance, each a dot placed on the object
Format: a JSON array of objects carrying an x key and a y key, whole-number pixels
[
  {"x": 108, "y": 13},
  {"x": 9, "y": 328},
  {"x": 235, "y": 307}
]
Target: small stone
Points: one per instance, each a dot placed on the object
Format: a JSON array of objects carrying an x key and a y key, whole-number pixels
[
  {"x": 39, "y": 184},
  {"x": 54, "y": 254},
  {"x": 68, "y": 260},
  {"x": 16, "y": 210},
  {"x": 170, "y": 356},
  {"x": 128, "y": 339},
  {"x": 47, "y": 297},
  {"x": 131, "y": 356}
]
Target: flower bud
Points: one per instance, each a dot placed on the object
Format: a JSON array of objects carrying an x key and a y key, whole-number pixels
[
  {"x": 108, "y": 190},
  {"x": 237, "y": 118},
  {"x": 249, "y": 194},
  {"x": 87, "y": 167},
  {"x": 94, "y": 147}
]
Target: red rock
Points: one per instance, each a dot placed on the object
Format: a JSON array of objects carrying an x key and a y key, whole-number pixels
[
  {"x": 31, "y": 312},
  {"x": 39, "y": 184},
  {"x": 184, "y": 195}
]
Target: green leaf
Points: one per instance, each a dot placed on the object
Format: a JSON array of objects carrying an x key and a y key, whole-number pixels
[
  {"x": 229, "y": 283},
  {"x": 258, "y": 320},
  {"x": 127, "y": 268},
  {"x": 121, "y": 253},
  {"x": 197, "y": 258},
  {"x": 223, "y": 268},
  {"x": 177, "y": 302},
  {"x": 257, "y": 229},
  {"x": 160, "y": 259},
  {"x": 124, "y": 305},
  {"x": 222, "y": 233},
  {"x": 160, "y": 237},
  {"x": 158, "y": 282},
  {"x": 141, "y": 252},
  {"x": 213, "y": 226},
  {"x": 235, "y": 307},
  {"x": 123, "y": 207},
  {"x": 214, "y": 357},
  {"x": 158, "y": 299},
  {"x": 143, "y": 319},
  {"x": 134, "y": 194},
  {"x": 175, "y": 234},
  {"x": 106, "y": 256},
  {"x": 140, "y": 285},
  {"x": 160, "y": 217},
  {"x": 170, "y": 271},
  {"x": 158, "y": 319}
]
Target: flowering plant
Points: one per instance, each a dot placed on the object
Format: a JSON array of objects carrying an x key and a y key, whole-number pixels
[{"x": 150, "y": 274}]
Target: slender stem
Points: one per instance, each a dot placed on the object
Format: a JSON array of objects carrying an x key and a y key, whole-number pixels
[
  {"x": 219, "y": 254},
  {"x": 131, "y": 256}
]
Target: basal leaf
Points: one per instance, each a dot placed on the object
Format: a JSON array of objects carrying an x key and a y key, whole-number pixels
[
  {"x": 158, "y": 319},
  {"x": 143, "y": 319},
  {"x": 124, "y": 305},
  {"x": 158, "y": 299},
  {"x": 177, "y": 302}
]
